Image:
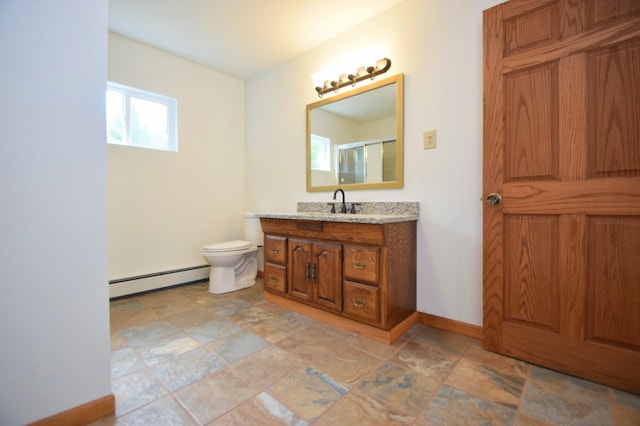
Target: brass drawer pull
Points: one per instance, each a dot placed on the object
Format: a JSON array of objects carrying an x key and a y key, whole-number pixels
[
  {"x": 273, "y": 278},
  {"x": 358, "y": 303},
  {"x": 275, "y": 250},
  {"x": 359, "y": 265}
]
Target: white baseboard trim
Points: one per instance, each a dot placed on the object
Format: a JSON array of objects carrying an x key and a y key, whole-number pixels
[{"x": 127, "y": 286}]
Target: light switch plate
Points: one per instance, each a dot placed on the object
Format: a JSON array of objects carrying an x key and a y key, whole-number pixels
[{"x": 430, "y": 139}]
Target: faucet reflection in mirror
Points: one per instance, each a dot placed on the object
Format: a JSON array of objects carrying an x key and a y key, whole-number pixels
[{"x": 382, "y": 66}]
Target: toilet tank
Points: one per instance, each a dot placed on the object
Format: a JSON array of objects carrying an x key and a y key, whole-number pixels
[{"x": 252, "y": 229}]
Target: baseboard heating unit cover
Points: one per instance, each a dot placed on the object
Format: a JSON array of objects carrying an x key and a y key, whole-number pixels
[{"x": 141, "y": 283}]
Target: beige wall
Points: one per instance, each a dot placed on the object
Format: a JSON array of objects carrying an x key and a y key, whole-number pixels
[
  {"x": 164, "y": 206},
  {"x": 437, "y": 44},
  {"x": 160, "y": 214}
]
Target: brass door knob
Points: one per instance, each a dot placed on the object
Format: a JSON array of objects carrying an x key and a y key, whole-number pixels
[{"x": 494, "y": 199}]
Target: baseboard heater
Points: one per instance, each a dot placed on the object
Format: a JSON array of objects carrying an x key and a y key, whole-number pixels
[{"x": 141, "y": 283}]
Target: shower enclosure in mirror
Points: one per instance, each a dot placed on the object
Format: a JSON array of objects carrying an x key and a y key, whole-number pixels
[{"x": 355, "y": 139}]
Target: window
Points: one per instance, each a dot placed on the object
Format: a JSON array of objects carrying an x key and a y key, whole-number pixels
[
  {"x": 142, "y": 119},
  {"x": 320, "y": 153}
]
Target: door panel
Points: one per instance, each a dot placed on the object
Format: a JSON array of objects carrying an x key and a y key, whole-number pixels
[
  {"x": 601, "y": 12},
  {"x": 613, "y": 281},
  {"x": 562, "y": 146},
  {"x": 533, "y": 296},
  {"x": 531, "y": 107},
  {"x": 534, "y": 29},
  {"x": 614, "y": 90}
]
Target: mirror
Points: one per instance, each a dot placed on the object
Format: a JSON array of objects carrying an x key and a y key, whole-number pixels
[{"x": 355, "y": 139}]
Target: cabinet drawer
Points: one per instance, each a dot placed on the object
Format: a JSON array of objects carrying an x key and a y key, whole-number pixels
[
  {"x": 362, "y": 264},
  {"x": 275, "y": 249},
  {"x": 361, "y": 302},
  {"x": 275, "y": 278}
]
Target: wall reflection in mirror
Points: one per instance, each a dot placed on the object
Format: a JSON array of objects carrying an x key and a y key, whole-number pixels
[{"x": 354, "y": 139}]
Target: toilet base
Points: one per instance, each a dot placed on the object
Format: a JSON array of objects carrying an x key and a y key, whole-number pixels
[
  {"x": 242, "y": 284},
  {"x": 225, "y": 279}
]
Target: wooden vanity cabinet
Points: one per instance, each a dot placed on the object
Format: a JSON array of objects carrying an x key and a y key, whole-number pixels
[{"x": 359, "y": 276}]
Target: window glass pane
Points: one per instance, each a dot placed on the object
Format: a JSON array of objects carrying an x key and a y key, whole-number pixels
[
  {"x": 320, "y": 153},
  {"x": 148, "y": 123},
  {"x": 139, "y": 118},
  {"x": 115, "y": 117}
]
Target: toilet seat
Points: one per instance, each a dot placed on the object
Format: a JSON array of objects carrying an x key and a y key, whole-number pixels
[{"x": 227, "y": 246}]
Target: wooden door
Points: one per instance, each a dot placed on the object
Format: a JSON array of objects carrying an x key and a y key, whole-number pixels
[
  {"x": 562, "y": 147},
  {"x": 299, "y": 269},
  {"x": 328, "y": 275}
]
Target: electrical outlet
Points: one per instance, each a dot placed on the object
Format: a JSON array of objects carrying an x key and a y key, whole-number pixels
[{"x": 430, "y": 139}]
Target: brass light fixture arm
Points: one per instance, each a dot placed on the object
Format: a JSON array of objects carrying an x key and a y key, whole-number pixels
[{"x": 352, "y": 79}]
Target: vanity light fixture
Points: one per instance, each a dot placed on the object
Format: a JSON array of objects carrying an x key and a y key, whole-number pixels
[{"x": 362, "y": 73}]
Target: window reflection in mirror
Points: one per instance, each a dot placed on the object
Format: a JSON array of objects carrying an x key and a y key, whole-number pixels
[{"x": 354, "y": 139}]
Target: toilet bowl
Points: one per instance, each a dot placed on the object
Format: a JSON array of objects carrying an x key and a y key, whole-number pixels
[{"x": 234, "y": 264}]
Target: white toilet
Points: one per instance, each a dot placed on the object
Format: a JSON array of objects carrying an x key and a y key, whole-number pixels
[{"x": 234, "y": 264}]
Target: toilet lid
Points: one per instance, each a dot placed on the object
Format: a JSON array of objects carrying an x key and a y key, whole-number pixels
[{"x": 228, "y": 246}]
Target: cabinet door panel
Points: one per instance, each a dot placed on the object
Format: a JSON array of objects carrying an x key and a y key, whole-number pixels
[
  {"x": 328, "y": 275},
  {"x": 299, "y": 253}
]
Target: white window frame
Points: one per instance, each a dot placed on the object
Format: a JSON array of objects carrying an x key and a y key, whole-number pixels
[{"x": 172, "y": 116}]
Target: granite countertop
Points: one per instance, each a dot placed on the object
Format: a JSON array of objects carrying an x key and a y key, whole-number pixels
[
  {"x": 366, "y": 212},
  {"x": 341, "y": 217}
]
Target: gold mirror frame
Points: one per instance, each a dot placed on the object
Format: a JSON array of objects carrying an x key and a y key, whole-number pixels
[{"x": 398, "y": 80}]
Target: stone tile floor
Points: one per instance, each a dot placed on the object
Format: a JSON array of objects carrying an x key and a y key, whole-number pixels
[{"x": 182, "y": 356}]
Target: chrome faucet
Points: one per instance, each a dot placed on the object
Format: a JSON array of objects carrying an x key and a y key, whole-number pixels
[{"x": 343, "y": 209}]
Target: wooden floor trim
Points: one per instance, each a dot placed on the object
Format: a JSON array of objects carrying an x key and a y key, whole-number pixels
[
  {"x": 384, "y": 336},
  {"x": 469, "y": 330},
  {"x": 82, "y": 414},
  {"x": 465, "y": 329}
]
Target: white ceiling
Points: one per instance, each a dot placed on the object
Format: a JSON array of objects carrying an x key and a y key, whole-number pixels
[{"x": 239, "y": 37}]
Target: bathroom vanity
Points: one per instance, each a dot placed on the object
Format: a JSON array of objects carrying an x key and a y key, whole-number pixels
[{"x": 355, "y": 271}]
